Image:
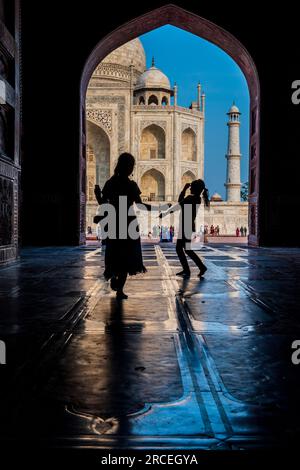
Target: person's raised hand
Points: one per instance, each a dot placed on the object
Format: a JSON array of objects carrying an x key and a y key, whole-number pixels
[{"x": 186, "y": 186}]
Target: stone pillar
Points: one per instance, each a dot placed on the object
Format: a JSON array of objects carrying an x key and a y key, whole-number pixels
[
  {"x": 199, "y": 97},
  {"x": 175, "y": 94},
  {"x": 233, "y": 177},
  {"x": 131, "y": 109},
  {"x": 203, "y": 103},
  {"x": 176, "y": 148},
  {"x": 202, "y": 135}
]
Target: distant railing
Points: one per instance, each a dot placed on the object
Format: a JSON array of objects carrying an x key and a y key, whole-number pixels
[
  {"x": 159, "y": 198},
  {"x": 169, "y": 108}
]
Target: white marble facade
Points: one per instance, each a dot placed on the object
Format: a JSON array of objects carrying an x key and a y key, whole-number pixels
[{"x": 129, "y": 108}]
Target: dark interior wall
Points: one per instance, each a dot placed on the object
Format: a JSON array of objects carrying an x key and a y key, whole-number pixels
[
  {"x": 57, "y": 39},
  {"x": 9, "y": 130}
]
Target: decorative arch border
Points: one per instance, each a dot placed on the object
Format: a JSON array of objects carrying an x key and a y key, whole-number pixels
[
  {"x": 195, "y": 24},
  {"x": 161, "y": 124},
  {"x": 144, "y": 170},
  {"x": 185, "y": 127},
  {"x": 187, "y": 171},
  {"x": 93, "y": 121}
]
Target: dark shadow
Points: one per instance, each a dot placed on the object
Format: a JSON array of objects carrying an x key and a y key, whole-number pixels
[
  {"x": 189, "y": 287},
  {"x": 122, "y": 368}
]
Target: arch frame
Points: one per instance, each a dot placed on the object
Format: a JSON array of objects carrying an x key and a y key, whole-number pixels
[
  {"x": 190, "y": 131},
  {"x": 93, "y": 121},
  {"x": 184, "y": 172},
  {"x": 153, "y": 99},
  {"x": 155, "y": 171},
  {"x": 176, "y": 16}
]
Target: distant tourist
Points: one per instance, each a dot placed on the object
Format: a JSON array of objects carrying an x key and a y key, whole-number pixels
[
  {"x": 245, "y": 231},
  {"x": 237, "y": 232},
  {"x": 171, "y": 233},
  {"x": 242, "y": 231},
  {"x": 217, "y": 230}
]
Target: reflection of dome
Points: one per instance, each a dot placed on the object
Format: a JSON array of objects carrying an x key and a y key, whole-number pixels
[
  {"x": 131, "y": 53},
  {"x": 153, "y": 78},
  {"x": 234, "y": 109},
  {"x": 216, "y": 198}
]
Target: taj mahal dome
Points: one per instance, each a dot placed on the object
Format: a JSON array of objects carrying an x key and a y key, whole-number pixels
[{"x": 130, "y": 108}]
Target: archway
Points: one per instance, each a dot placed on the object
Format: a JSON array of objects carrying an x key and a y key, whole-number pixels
[
  {"x": 97, "y": 166},
  {"x": 188, "y": 145},
  {"x": 153, "y": 185},
  {"x": 176, "y": 16},
  {"x": 153, "y": 100},
  {"x": 187, "y": 177},
  {"x": 152, "y": 144}
]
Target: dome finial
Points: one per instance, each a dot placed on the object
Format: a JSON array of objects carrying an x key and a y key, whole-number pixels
[{"x": 153, "y": 62}]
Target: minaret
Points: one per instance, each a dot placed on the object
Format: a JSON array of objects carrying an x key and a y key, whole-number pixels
[
  {"x": 175, "y": 89},
  {"x": 199, "y": 97},
  {"x": 233, "y": 177}
]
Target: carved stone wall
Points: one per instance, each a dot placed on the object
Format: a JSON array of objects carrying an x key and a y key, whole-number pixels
[
  {"x": 102, "y": 117},
  {"x": 6, "y": 211},
  {"x": 97, "y": 110},
  {"x": 10, "y": 124}
]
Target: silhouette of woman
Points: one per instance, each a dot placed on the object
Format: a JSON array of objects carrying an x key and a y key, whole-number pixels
[
  {"x": 188, "y": 206},
  {"x": 123, "y": 253}
]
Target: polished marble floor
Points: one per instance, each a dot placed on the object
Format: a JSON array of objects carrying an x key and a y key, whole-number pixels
[{"x": 197, "y": 363}]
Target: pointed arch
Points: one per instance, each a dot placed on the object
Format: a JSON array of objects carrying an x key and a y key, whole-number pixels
[
  {"x": 153, "y": 143},
  {"x": 153, "y": 185},
  {"x": 152, "y": 100},
  {"x": 188, "y": 145},
  {"x": 187, "y": 177},
  {"x": 195, "y": 24}
]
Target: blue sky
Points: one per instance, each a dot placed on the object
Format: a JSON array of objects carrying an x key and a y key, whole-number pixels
[{"x": 187, "y": 59}]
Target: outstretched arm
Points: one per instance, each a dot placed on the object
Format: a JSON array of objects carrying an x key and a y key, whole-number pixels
[
  {"x": 182, "y": 194},
  {"x": 145, "y": 206},
  {"x": 171, "y": 209}
]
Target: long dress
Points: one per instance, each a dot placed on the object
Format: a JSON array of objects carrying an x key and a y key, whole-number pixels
[{"x": 122, "y": 255}]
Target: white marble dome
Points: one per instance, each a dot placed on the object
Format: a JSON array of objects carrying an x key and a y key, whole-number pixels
[
  {"x": 234, "y": 109},
  {"x": 216, "y": 197},
  {"x": 153, "y": 78},
  {"x": 131, "y": 53}
]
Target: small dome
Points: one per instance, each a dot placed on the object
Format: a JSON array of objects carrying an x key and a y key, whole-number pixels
[
  {"x": 216, "y": 197},
  {"x": 153, "y": 78},
  {"x": 234, "y": 109}
]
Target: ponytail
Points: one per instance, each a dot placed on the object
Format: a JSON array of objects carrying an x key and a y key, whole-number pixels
[
  {"x": 205, "y": 197},
  {"x": 198, "y": 188}
]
